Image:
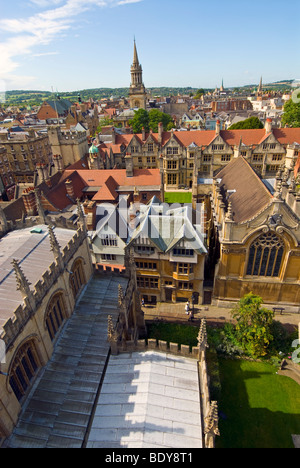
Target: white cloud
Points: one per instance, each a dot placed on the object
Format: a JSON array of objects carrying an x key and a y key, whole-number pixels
[
  {"x": 44, "y": 54},
  {"x": 42, "y": 28}
]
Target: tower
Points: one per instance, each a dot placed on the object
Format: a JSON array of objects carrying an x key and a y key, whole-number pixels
[
  {"x": 260, "y": 88},
  {"x": 137, "y": 91}
]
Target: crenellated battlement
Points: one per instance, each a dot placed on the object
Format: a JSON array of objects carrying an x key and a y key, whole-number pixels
[{"x": 41, "y": 288}]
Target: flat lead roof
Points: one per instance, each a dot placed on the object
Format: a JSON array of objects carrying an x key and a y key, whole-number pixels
[{"x": 32, "y": 251}]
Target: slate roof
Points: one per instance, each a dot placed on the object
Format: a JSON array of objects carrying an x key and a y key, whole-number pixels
[
  {"x": 33, "y": 253},
  {"x": 166, "y": 228},
  {"x": 251, "y": 194}
]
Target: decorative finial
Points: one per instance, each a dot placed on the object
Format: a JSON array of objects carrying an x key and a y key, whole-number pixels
[
  {"x": 22, "y": 282},
  {"x": 212, "y": 420}
]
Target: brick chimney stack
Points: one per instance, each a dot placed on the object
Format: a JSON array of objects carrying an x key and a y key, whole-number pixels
[
  {"x": 70, "y": 188},
  {"x": 30, "y": 201}
]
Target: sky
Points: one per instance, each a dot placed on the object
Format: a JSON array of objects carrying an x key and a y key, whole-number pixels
[{"x": 70, "y": 45}]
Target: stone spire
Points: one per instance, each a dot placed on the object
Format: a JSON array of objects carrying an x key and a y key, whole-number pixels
[
  {"x": 136, "y": 62},
  {"x": 137, "y": 91},
  {"x": 212, "y": 420},
  {"x": 3, "y": 221},
  {"x": 54, "y": 246},
  {"x": 23, "y": 284},
  {"x": 202, "y": 335},
  {"x": 80, "y": 213},
  {"x": 39, "y": 206}
]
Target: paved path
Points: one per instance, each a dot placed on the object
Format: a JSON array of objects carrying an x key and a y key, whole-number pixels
[
  {"x": 58, "y": 412},
  {"x": 175, "y": 312},
  {"x": 148, "y": 400}
]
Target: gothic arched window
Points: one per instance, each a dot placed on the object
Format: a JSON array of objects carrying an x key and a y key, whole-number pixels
[
  {"x": 24, "y": 368},
  {"x": 55, "y": 314},
  {"x": 77, "y": 278},
  {"x": 265, "y": 256}
]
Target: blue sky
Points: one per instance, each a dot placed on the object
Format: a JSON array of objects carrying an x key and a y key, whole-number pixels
[{"x": 70, "y": 45}]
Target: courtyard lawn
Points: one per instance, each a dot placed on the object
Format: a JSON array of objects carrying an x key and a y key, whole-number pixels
[
  {"x": 178, "y": 197},
  {"x": 258, "y": 408},
  {"x": 174, "y": 333}
]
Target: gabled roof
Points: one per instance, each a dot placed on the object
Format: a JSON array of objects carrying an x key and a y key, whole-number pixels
[
  {"x": 103, "y": 182},
  {"x": 202, "y": 138},
  {"x": 251, "y": 195},
  {"x": 166, "y": 228}
]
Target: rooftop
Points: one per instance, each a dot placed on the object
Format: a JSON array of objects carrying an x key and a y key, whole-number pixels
[
  {"x": 148, "y": 399},
  {"x": 250, "y": 196},
  {"x": 32, "y": 251}
]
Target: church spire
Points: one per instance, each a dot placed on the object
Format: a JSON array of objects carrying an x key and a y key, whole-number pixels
[
  {"x": 137, "y": 91},
  {"x": 135, "y": 56}
]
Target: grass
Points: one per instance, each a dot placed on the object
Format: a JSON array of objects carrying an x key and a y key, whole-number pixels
[
  {"x": 174, "y": 333},
  {"x": 178, "y": 197},
  {"x": 258, "y": 408}
]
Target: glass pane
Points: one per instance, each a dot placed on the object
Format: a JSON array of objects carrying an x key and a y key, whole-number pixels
[
  {"x": 15, "y": 388},
  {"x": 257, "y": 261},
  {"x": 271, "y": 261},
  {"x": 250, "y": 261},
  {"x": 278, "y": 262},
  {"x": 32, "y": 360},
  {"x": 27, "y": 368},
  {"x": 264, "y": 262}
]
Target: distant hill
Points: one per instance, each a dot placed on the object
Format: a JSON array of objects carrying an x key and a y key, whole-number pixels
[{"x": 22, "y": 98}]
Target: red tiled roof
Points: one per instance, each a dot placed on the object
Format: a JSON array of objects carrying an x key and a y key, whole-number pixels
[
  {"x": 107, "y": 191},
  {"x": 107, "y": 180},
  {"x": 249, "y": 137},
  {"x": 58, "y": 195}
]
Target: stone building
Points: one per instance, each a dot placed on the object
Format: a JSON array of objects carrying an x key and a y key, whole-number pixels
[
  {"x": 43, "y": 270},
  {"x": 7, "y": 182},
  {"x": 25, "y": 150},
  {"x": 169, "y": 251},
  {"x": 137, "y": 91},
  {"x": 71, "y": 145},
  {"x": 254, "y": 236},
  {"x": 177, "y": 152}
]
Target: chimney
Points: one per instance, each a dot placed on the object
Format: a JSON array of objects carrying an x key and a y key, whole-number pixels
[
  {"x": 113, "y": 136},
  {"x": 45, "y": 170},
  {"x": 70, "y": 188},
  {"x": 129, "y": 165},
  {"x": 218, "y": 127},
  {"x": 136, "y": 195},
  {"x": 90, "y": 208},
  {"x": 29, "y": 201},
  {"x": 58, "y": 162},
  {"x": 143, "y": 134},
  {"x": 268, "y": 126},
  {"x": 39, "y": 169}
]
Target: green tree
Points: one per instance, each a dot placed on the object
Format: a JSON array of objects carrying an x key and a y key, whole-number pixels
[
  {"x": 291, "y": 115},
  {"x": 199, "y": 93},
  {"x": 150, "y": 120},
  {"x": 156, "y": 117},
  {"x": 252, "y": 122},
  {"x": 253, "y": 328},
  {"x": 103, "y": 123},
  {"x": 140, "y": 121}
]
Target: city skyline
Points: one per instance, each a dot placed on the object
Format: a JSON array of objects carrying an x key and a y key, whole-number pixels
[{"x": 70, "y": 45}]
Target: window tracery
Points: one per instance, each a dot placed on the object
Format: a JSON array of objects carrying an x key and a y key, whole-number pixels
[{"x": 265, "y": 256}]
